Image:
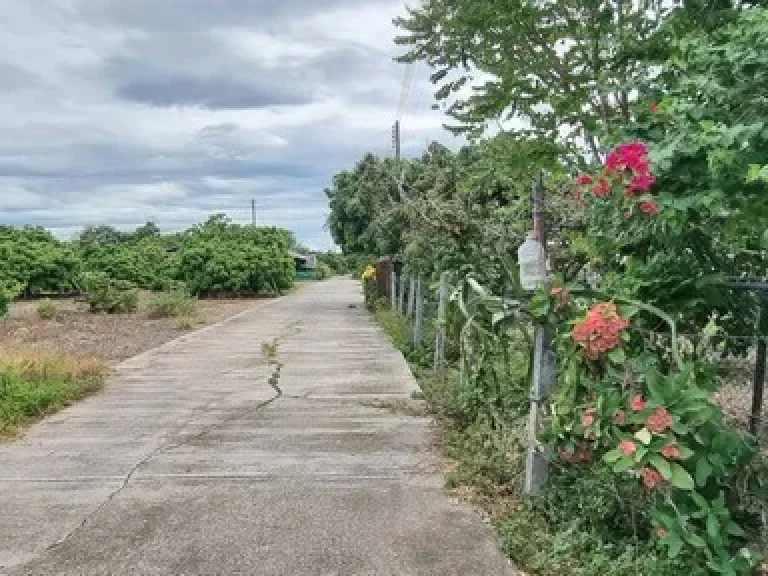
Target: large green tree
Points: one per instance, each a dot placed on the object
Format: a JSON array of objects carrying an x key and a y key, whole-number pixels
[{"x": 561, "y": 69}]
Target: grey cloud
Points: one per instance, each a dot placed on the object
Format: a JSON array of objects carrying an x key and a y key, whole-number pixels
[
  {"x": 158, "y": 115},
  {"x": 213, "y": 93}
]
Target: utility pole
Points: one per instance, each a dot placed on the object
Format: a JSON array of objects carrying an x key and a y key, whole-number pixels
[
  {"x": 253, "y": 211},
  {"x": 396, "y": 139},
  {"x": 544, "y": 367}
]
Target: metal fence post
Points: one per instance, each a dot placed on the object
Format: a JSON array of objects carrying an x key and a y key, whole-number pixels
[
  {"x": 418, "y": 312},
  {"x": 440, "y": 336},
  {"x": 401, "y": 293},
  {"x": 758, "y": 389}
]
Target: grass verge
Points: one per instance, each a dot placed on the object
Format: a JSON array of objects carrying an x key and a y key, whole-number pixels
[{"x": 33, "y": 384}]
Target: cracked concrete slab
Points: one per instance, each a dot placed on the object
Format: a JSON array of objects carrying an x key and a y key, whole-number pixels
[{"x": 190, "y": 463}]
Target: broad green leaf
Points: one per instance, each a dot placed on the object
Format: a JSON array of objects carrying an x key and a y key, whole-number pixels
[
  {"x": 661, "y": 465},
  {"x": 734, "y": 529},
  {"x": 703, "y": 471},
  {"x": 612, "y": 456},
  {"x": 617, "y": 356},
  {"x": 623, "y": 464},
  {"x": 681, "y": 478},
  {"x": 713, "y": 527}
]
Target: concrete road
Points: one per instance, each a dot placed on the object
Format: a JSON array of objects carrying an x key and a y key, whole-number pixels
[{"x": 190, "y": 462}]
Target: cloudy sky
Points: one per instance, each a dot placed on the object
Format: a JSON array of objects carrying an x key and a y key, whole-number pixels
[{"x": 123, "y": 111}]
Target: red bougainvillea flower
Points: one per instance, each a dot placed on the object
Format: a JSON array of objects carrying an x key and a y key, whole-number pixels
[
  {"x": 602, "y": 189},
  {"x": 641, "y": 182},
  {"x": 638, "y": 403},
  {"x": 584, "y": 179},
  {"x": 651, "y": 478},
  {"x": 659, "y": 421},
  {"x": 653, "y": 108},
  {"x": 662, "y": 532},
  {"x": 613, "y": 162},
  {"x": 650, "y": 207},
  {"x": 620, "y": 418},
  {"x": 627, "y": 447},
  {"x": 601, "y": 330},
  {"x": 671, "y": 451}
]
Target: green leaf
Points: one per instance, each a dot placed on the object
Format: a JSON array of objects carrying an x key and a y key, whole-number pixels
[
  {"x": 695, "y": 540},
  {"x": 644, "y": 436},
  {"x": 612, "y": 456},
  {"x": 703, "y": 471},
  {"x": 623, "y": 464},
  {"x": 681, "y": 478},
  {"x": 734, "y": 529},
  {"x": 617, "y": 356},
  {"x": 685, "y": 452},
  {"x": 661, "y": 465},
  {"x": 674, "y": 543},
  {"x": 713, "y": 527}
]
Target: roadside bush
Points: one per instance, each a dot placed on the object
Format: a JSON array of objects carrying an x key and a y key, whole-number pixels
[
  {"x": 323, "y": 271},
  {"x": 3, "y": 304},
  {"x": 174, "y": 304},
  {"x": 221, "y": 257},
  {"x": 46, "y": 309},
  {"x": 111, "y": 296}
]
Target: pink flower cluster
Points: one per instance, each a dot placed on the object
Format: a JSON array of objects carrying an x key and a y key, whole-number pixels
[{"x": 628, "y": 166}]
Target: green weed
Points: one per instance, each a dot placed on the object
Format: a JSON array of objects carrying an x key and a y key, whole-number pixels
[
  {"x": 174, "y": 304},
  {"x": 47, "y": 309}
]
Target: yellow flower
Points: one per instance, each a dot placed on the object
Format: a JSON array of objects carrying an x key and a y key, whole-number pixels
[{"x": 369, "y": 273}]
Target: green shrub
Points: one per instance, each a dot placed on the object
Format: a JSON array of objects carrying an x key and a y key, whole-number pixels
[
  {"x": 46, "y": 309},
  {"x": 174, "y": 304},
  {"x": 323, "y": 271},
  {"x": 111, "y": 296},
  {"x": 3, "y": 304}
]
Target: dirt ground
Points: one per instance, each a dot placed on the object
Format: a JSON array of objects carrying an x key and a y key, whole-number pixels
[{"x": 110, "y": 337}]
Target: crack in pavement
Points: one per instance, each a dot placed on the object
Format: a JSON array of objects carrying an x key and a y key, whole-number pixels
[{"x": 272, "y": 381}]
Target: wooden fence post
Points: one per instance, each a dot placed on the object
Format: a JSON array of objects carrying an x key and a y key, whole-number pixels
[
  {"x": 418, "y": 312},
  {"x": 440, "y": 336}
]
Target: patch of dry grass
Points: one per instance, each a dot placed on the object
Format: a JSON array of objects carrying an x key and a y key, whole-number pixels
[{"x": 35, "y": 383}]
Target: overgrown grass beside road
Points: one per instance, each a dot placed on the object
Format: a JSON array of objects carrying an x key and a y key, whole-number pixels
[
  {"x": 587, "y": 523},
  {"x": 33, "y": 384}
]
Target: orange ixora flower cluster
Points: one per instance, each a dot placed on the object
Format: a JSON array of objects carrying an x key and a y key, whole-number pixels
[{"x": 601, "y": 330}]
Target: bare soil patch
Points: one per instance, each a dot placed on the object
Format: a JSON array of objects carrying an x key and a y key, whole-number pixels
[{"x": 112, "y": 338}]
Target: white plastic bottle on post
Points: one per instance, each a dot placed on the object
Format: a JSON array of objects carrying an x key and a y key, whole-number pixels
[{"x": 532, "y": 260}]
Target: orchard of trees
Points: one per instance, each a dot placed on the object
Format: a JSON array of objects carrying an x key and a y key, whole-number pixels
[
  {"x": 648, "y": 123},
  {"x": 215, "y": 257}
]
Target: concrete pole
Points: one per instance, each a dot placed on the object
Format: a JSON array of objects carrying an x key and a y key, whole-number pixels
[
  {"x": 411, "y": 296},
  {"x": 392, "y": 286},
  {"x": 418, "y": 313},
  {"x": 401, "y": 294},
  {"x": 440, "y": 336}
]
